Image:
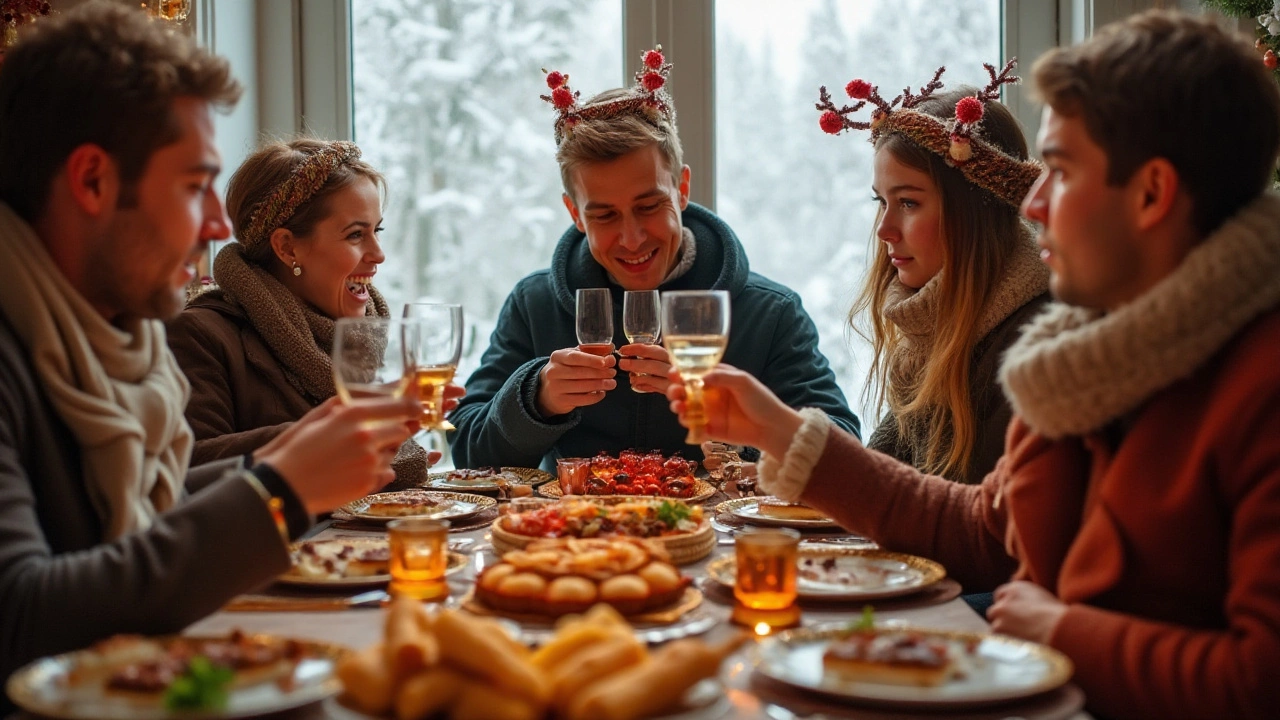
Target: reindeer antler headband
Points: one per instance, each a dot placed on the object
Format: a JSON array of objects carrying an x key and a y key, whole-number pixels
[
  {"x": 957, "y": 140},
  {"x": 647, "y": 99}
]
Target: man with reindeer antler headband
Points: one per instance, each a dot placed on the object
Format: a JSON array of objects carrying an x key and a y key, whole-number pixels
[
  {"x": 1134, "y": 518},
  {"x": 536, "y": 396}
]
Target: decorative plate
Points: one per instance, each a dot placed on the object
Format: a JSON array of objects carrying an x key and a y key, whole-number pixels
[
  {"x": 701, "y": 491},
  {"x": 745, "y": 509},
  {"x": 307, "y": 572},
  {"x": 447, "y": 505},
  {"x": 845, "y": 573},
  {"x": 512, "y": 475}
]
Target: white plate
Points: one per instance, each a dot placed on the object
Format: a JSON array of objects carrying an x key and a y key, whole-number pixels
[
  {"x": 845, "y": 573},
  {"x": 1002, "y": 669},
  {"x": 747, "y": 510},
  {"x": 455, "y": 506},
  {"x": 44, "y": 688},
  {"x": 457, "y": 561}
]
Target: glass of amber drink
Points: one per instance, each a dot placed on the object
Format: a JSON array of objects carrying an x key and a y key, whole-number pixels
[
  {"x": 766, "y": 563},
  {"x": 419, "y": 556},
  {"x": 573, "y": 473},
  {"x": 435, "y": 346}
]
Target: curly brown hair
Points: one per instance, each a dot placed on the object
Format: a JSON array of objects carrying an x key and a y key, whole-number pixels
[{"x": 99, "y": 74}]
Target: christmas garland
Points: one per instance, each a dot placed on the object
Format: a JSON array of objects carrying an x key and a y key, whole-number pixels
[{"x": 1267, "y": 13}]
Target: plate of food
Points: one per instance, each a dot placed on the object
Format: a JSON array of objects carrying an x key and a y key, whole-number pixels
[
  {"x": 682, "y": 529},
  {"x": 769, "y": 510},
  {"x": 828, "y": 572},
  {"x": 911, "y": 668},
  {"x": 502, "y": 481},
  {"x": 632, "y": 473},
  {"x": 132, "y": 677},
  {"x": 347, "y": 562},
  {"x": 385, "y": 507}
]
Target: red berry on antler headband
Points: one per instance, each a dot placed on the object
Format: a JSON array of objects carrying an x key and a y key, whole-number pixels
[
  {"x": 956, "y": 140},
  {"x": 647, "y": 99}
]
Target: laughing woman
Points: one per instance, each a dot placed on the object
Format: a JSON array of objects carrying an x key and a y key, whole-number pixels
[{"x": 256, "y": 348}]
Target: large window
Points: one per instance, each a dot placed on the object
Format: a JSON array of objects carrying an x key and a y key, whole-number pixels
[
  {"x": 446, "y": 105},
  {"x": 800, "y": 199}
]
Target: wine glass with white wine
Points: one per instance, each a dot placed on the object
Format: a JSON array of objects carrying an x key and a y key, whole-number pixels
[
  {"x": 437, "y": 331},
  {"x": 369, "y": 358},
  {"x": 695, "y": 331},
  {"x": 641, "y": 319}
]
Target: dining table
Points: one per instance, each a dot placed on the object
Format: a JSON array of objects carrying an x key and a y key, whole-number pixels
[{"x": 746, "y": 694}]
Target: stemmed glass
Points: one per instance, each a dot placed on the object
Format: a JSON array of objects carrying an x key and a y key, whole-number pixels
[
  {"x": 369, "y": 358},
  {"x": 435, "y": 332},
  {"x": 594, "y": 316},
  {"x": 695, "y": 331},
  {"x": 641, "y": 321}
]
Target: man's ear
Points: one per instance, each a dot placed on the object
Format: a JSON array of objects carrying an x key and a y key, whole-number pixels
[
  {"x": 93, "y": 178},
  {"x": 283, "y": 245},
  {"x": 573, "y": 213},
  {"x": 684, "y": 186},
  {"x": 1154, "y": 188}
]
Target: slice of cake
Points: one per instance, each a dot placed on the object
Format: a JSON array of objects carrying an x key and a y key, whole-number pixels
[
  {"x": 891, "y": 658},
  {"x": 780, "y": 509}
]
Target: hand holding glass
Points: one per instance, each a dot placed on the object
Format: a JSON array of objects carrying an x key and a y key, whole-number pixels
[
  {"x": 641, "y": 320},
  {"x": 436, "y": 332},
  {"x": 695, "y": 331},
  {"x": 369, "y": 358},
  {"x": 594, "y": 319}
]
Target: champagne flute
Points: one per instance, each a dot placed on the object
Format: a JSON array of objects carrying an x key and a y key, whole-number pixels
[
  {"x": 695, "y": 331},
  {"x": 641, "y": 322},
  {"x": 436, "y": 348},
  {"x": 594, "y": 319},
  {"x": 369, "y": 358}
]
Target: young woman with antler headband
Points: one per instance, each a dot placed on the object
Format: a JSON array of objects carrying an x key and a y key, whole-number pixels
[{"x": 955, "y": 272}]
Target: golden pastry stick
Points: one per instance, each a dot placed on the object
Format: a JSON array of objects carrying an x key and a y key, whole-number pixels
[
  {"x": 592, "y": 664},
  {"x": 368, "y": 680},
  {"x": 480, "y": 701},
  {"x": 474, "y": 647},
  {"x": 411, "y": 647},
  {"x": 428, "y": 693}
]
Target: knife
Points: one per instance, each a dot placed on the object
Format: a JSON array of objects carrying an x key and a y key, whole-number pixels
[{"x": 275, "y": 603}]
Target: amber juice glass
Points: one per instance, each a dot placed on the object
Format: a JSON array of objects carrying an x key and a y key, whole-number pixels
[
  {"x": 766, "y": 562},
  {"x": 419, "y": 556},
  {"x": 573, "y": 473}
]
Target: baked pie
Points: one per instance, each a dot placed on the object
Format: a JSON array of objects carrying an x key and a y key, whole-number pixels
[{"x": 895, "y": 657}]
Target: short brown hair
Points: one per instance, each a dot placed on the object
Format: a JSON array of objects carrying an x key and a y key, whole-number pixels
[
  {"x": 1168, "y": 85},
  {"x": 607, "y": 138},
  {"x": 266, "y": 169},
  {"x": 101, "y": 74}
]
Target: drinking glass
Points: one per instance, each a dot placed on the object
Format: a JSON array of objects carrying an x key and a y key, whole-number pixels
[
  {"x": 695, "y": 330},
  {"x": 419, "y": 557},
  {"x": 573, "y": 474},
  {"x": 369, "y": 358},
  {"x": 594, "y": 316},
  {"x": 641, "y": 321},
  {"x": 766, "y": 567},
  {"x": 436, "y": 331}
]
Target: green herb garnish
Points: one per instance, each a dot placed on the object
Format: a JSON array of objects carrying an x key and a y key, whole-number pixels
[
  {"x": 672, "y": 513},
  {"x": 866, "y": 623},
  {"x": 202, "y": 687}
]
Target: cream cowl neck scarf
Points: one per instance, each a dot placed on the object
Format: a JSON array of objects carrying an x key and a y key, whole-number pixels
[
  {"x": 1075, "y": 370},
  {"x": 119, "y": 390}
]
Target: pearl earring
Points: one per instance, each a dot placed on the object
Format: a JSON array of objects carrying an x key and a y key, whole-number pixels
[{"x": 297, "y": 270}]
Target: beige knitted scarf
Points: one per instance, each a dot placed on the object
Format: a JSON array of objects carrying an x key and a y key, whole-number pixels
[
  {"x": 915, "y": 313},
  {"x": 119, "y": 390},
  {"x": 299, "y": 337},
  {"x": 1075, "y": 370}
]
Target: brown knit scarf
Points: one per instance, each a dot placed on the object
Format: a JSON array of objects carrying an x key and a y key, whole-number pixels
[
  {"x": 299, "y": 337},
  {"x": 914, "y": 313}
]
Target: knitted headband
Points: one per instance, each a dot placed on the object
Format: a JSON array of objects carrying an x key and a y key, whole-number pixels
[
  {"x": 305, "y": 181},
  {"x": 647, "y": 99},
  {"x": 957, "y": 140}
]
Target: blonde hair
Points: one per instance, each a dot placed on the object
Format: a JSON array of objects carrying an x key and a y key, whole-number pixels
[
  {"x": 979, "y": 234},
  {"x": 607, "y": 138}
]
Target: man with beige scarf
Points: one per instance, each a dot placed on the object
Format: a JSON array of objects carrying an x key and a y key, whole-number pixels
[{"x": 106, "y": 201}]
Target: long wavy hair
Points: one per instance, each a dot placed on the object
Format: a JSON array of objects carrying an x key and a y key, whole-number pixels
[{"x": 979, "y": 234}]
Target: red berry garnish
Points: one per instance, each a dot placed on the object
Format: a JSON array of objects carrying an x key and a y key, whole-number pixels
[
  {"x": 653, "y": 81},
  {"x": 562, "y": 98},
  {"x": 653, "y": 59},
  {"x": 858, "y": 89},
  {"x": 1269, "y": 59},
  {"x": 555, "y": 79},
  {"x": 831, "y": 122},
  {"x": 969, "y": 110}
]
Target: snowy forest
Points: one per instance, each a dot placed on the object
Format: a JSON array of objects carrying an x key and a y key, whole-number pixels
[{"x": 446, "y": 105}]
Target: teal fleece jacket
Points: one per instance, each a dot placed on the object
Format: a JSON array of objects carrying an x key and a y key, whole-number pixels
[{"x": 770, "y": 336}]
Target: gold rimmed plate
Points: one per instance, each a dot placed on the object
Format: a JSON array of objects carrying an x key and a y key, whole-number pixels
[
  {"x": 72, "y": 686},
  {"x": 488, "y": 483},
  {"x": 846, "y": 573},
  {"x": 999, "y": 669},
  {"x": 447, "y": 505},
  {"x": 310, "y": 573},
  {"x": 701, "y": 491},
  {"x": 747, "y": 510}
]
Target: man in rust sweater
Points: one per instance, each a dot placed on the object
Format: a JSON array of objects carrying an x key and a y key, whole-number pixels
[{"x": 1135, "y": 516}]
